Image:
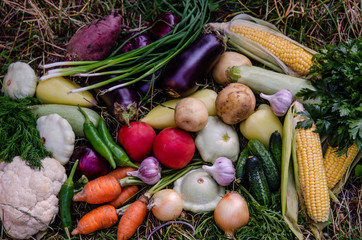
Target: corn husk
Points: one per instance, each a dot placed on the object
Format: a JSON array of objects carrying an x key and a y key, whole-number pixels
[
  {"x": 289, "y": 193},
  {"x": 253, "y": 49}
]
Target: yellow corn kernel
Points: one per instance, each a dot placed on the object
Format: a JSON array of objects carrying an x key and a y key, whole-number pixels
[
  {"x": 295, "y": 57},
  {"x": 312, "y": 176},
  {"x": 336, "y": 166}
]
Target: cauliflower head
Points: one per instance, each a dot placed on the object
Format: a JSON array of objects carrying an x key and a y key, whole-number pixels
[{"x": 28, "y": 197}]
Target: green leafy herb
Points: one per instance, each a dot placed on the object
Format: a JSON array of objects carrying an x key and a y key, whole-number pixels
[
  {"x": 358, "y": 171},
  {"x": 266, "y": 222},
  {"x": 18, "y": 133},
  {"x": 337, "y": 77}
]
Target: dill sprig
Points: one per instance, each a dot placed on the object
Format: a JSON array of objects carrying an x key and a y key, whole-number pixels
[{"x": 18, "y": 133}]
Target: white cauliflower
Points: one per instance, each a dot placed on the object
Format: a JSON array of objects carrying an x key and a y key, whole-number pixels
[{"x": 28, "y": 197}]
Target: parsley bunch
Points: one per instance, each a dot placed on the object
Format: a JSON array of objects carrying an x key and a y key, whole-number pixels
[{"x": 337, "y": 77}]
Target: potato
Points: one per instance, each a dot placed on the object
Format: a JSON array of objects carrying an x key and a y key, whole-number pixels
[
  {"x": 191, "y": 114},
  {"x": 228, "y": 59},
  {"x": 235, "y": 103}
]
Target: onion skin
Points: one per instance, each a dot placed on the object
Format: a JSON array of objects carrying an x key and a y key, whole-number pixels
[
  {"x": 91, "y": 164},
  {"x": 228, "y": 59},
  {"x": 166, "y": 205},
  {"x": 185, "y": 70},
  {"x": 231, "y": 213}
]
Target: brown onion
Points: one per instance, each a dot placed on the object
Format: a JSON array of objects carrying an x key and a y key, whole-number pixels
[
  {"x": 166, "y": 205},
  {"x": 228, "y": 59},
  {"x": 231, "y": 213}
]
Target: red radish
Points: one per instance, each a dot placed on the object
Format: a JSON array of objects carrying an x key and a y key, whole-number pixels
[
  {"x": 137, "y": 140},
  {"x": 95, "y": 41},
  {"x": 174, "y": 147}
]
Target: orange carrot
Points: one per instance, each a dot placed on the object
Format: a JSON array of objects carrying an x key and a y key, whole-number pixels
[
  {"x": 102, "y": 217},
  {"x": 132, "y": 218},
  {"x": 100, "y": 190},
  {"x": 121, "y": 172},
  {"x": 127, "y": 193}
]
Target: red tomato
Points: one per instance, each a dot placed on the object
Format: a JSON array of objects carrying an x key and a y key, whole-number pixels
[
  {"x": 174, "y": 147},
  {"x": 137, "y": 140}
]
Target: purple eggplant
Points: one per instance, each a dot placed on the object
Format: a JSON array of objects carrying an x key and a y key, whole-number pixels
[
  {"x": 141, "y": 40},
  {"x": 185, "y": 70},
  {"x": 91, "y": 164},
  {"x": 164, "y": 24},
  {"x": 144, "y": 85},
  {"x": 121, "y": 102}
]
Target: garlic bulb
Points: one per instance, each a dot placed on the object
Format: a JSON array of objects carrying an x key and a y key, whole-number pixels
[
  {"x": 149, "y": 171},
  {"x": 20, "y": 81},
  {"x": 223, "y": 171},
  {"x": 280, "y": 101}
]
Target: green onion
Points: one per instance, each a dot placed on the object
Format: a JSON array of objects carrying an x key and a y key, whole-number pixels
[{"x": 143, "y": 61}]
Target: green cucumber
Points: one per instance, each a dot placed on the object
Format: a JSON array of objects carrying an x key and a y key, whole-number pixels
[
  {"x": 240, "y": 164},
  {"x": 275, "y": 148},
  {"x": 270, "y": 168},
  {"x": 258, "y": 184},
  {"x": 68, "y": 112}
]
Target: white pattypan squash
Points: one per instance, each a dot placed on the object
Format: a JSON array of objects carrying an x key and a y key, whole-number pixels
[
  {"x": 199, "y": 191},
  {"x": 20, "y": 81},
  {"x": 217, "y": 139},
  {"x": 57, "y": 135}
]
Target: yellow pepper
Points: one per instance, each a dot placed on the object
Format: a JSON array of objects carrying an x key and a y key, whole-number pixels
[
  {"x": 55, "y": 90},
  {"x": 261, "y": 124},
  {"x": 162, "y": 116}
]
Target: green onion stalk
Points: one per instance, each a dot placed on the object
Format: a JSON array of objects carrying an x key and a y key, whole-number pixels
[
  {"x": 169, "y": 176},
  {"x": 144, "y": 61}
]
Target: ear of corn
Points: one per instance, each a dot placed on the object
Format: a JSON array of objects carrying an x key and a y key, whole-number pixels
[
  {"x": 336, "y": 166},
  {"x": 312, "y": 174},
  {"x": 312, "y": 177},
  {"x": 295, "y": 57},
  {"x": 263, "y": 42}
]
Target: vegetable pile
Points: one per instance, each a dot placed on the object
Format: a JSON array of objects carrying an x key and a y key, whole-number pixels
[{"x": 179, "y": 122}]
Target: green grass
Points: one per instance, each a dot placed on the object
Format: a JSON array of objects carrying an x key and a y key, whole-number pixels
[{"x": 37, "y": 32}]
